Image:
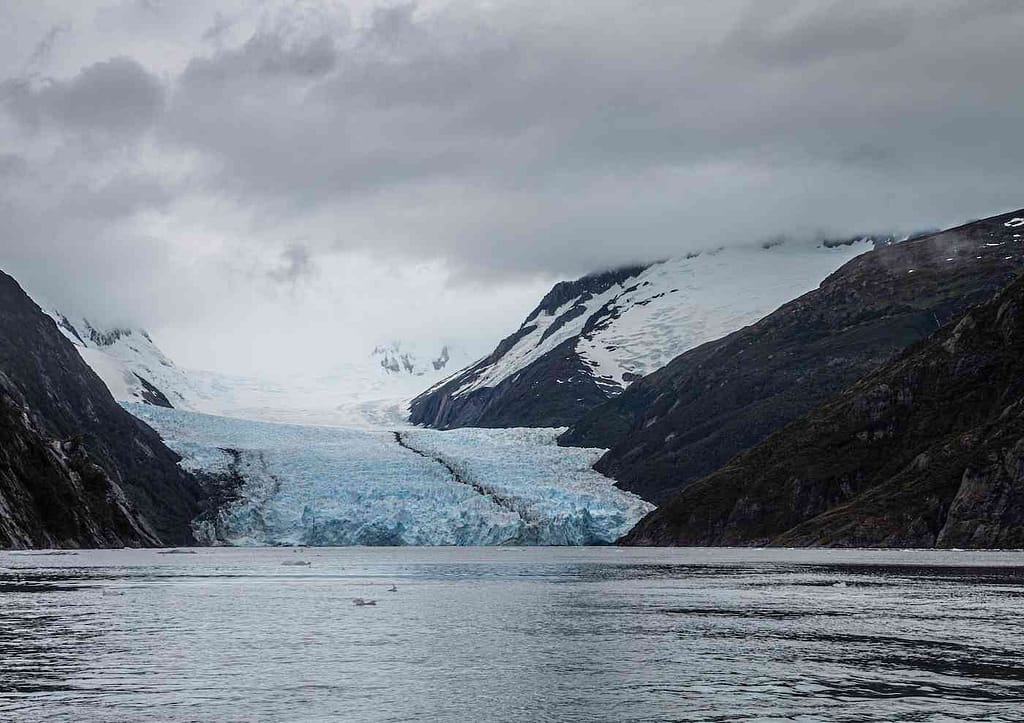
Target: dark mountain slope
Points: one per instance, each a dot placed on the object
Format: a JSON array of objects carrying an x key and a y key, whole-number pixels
[
  {"x": 927, "y": 451},
  {"x": 75, "y": 468},
  {"x": 692, "y": 416},
  {"x": 51, "y": 492}
]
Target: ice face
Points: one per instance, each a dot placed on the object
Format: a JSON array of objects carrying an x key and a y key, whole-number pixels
[
  {"x": 559, "y": 498},
  {"x": 338, "y": 486}
]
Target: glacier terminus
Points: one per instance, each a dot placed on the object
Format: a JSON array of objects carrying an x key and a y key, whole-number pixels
[{"x": 326, "y": 486}]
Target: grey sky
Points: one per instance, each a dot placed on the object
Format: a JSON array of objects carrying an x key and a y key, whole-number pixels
[{"x": 363, "y": 171}]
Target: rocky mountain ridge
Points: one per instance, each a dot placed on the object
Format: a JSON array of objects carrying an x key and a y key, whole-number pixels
[
  {"x": 927, "y": 451},
  {"x": 591, "y": 338},
  {"x": 128, "y": 361}
]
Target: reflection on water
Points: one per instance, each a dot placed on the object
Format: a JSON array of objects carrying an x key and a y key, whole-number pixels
[{"x": 511, "y": 634}]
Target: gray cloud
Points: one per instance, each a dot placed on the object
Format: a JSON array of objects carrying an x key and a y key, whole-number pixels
[
  {"x": 802, "y": 35},
  {"x": 44, "y": 48},
  {"x": 116, "y": 96},
  {"x": 503, "y": 122},
  {"x": 11, "y": 164},
  {"x": 296, "y": 263},
  {"x": 507, "y": 141}
]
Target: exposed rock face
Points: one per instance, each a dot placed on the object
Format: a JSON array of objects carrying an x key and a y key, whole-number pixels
[
  {"x": 691, "y": 417},
  {"x": 52, "y": 494},
  {"x": 76, "y": 470},
  {"x": 394, "y": 359},
  {"x": 928, "y": 451}
]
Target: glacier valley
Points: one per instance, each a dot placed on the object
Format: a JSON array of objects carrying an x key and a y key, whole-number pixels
[{"x": 317, "y": 485}]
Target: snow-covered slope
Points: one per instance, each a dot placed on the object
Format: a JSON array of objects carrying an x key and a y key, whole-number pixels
[
  {"x": 590, "y": 338},
  {"x": 343, "y": 486},
  {"x": 128, "y": 362},
  {"x": 363, "y": 394}
]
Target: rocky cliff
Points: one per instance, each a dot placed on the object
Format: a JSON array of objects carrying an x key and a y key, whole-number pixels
[{"x": 76, "y": 470}]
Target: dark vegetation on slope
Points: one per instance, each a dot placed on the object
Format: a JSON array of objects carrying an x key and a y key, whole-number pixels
[
  {"x": 76, "y": 470},
  {"x": 689, "y": 418},
  {"x": 927, "y": 451}
]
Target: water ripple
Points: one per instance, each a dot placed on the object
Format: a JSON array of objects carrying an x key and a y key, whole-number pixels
[{"x": 538, "y": 634}]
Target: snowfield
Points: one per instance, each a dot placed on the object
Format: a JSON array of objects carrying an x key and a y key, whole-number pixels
[
  {"x": 372, "y": 393},
  {"x": 313, "y": 485}
]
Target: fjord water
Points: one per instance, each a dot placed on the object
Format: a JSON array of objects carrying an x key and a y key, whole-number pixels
[{"x": 511, "y": 633}]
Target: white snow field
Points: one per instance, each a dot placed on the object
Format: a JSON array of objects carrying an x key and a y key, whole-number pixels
[
  {"x": 374, "y": 393},
  {"x": 313, "y": 485}
]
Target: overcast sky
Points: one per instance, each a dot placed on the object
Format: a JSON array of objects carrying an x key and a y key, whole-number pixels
[{"x": 267, "y": 185}]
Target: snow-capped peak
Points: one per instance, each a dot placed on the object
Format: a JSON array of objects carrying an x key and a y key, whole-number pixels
[
  {"x": 128, "y": 362},
  {"x": 637, "y": 324},
  {"x": 394, "y": 359}
]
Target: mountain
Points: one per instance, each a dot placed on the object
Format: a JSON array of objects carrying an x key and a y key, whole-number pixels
[
  {"x": 129, "y": 362},
  {"x": 590, "y": 338},
  {"x": 927, "y": 451},
  {"x": 689, "y": 418},
  {"x": 76, "y": 470},
  {"x": 393, "y": 358}
]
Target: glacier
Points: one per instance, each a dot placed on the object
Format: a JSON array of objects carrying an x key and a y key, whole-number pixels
[{"x": 325, "y": 486}]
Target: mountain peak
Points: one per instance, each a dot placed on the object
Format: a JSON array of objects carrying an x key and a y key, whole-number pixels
[
  {"x": 394, "y": 358},
  {"x": 590, "y": 338}
]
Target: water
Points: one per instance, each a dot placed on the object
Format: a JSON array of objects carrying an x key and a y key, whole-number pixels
[{"x": 532, "y": 634}]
